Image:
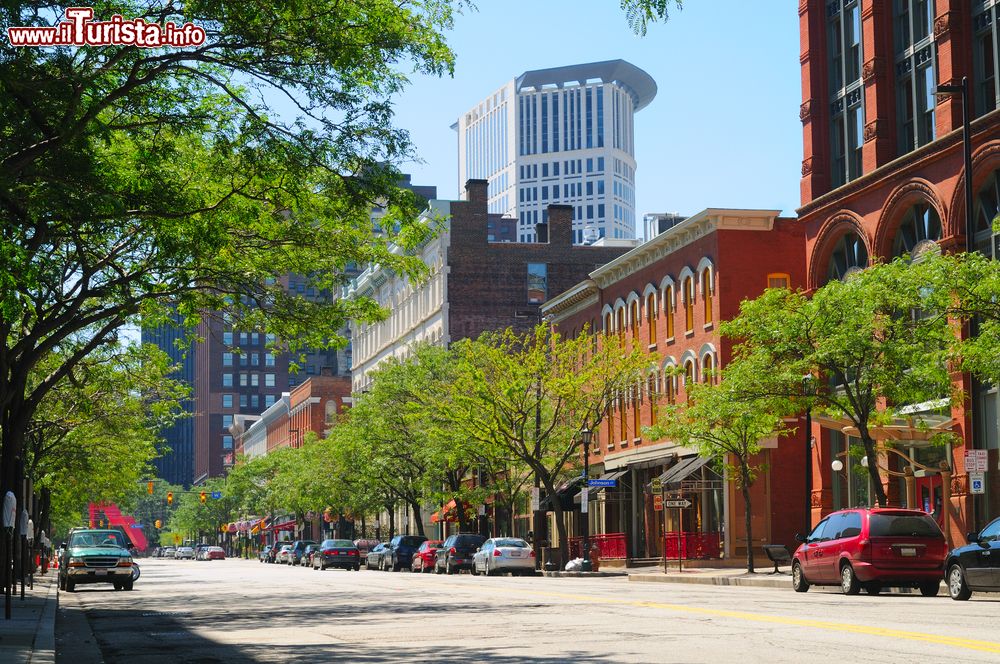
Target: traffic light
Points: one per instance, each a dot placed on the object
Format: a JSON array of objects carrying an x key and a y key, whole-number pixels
[
  {"x": 158, "y": 524},
  {"x": 149, "y": 488},
  {"x": 202, "y": 496},
  {"x": 170, "y": 497}
]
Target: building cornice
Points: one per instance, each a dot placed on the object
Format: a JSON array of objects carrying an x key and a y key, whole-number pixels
[{"x": 569, "y": 302}]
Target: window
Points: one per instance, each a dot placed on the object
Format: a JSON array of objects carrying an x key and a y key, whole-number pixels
[
  {"x": 254, "y": 359},
  {"x": 706, "y": 293},
  {"x": 269, "y": 400},
  {"x": 623, "y": 419},
  {"x": 987, "y": 207},
  {"x": 227, "y": 421},
  {"x": 620, "y": 320},
  {"x": 255, "y": 338},
  {"x": 652, "y": 392},
  {"x": 537, "y": 283},
  {"x": 689, "y": 304},
  {"x": 689, "y": 373},
  {"x": 227, "y": 338},
  {"x": 254, "y": 400},
  {"x": 669, "y": 309},
  {"x": 244, "y": 361},
  {"x": 227, "y": 380},
  {"x": 670, "y": 385},
  {"x": 227, "y": 359},
  {"x": 244, "y": 381},
  {"x": 707, "y": 368},
  {"x": 227, "y": 442},
  {"x": 227, "y": 400},
  {"x": 243, "y": 337},
  {"x": 269, "y": 380},
  {"x": 849, "y": 255},
  {"x": 778, "y": 280},
  {"x": 636, "y": 415},
  {"x": 268, "y": 359},
  {"x": 255, "y": 380},
  {"x": 920, "y": 228},
  {"x": 916, "y": 82},
  {"x": 269, "y": 338},
  {"x": 243, "y": 401},
  {"x": 985, "y": 51},
  {"x": 651, "y": 317},
  {"x": 634, "y": 316},
  {"x": 608, "y": 324}
]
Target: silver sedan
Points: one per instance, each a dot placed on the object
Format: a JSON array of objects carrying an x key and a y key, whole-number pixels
[{"x": 499, "y": 555}]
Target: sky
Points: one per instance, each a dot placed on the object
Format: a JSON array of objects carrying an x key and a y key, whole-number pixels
[{"x": 723, "y": 130}]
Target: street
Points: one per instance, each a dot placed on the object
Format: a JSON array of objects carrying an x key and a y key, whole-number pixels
[{"x": 235, "y": 610}]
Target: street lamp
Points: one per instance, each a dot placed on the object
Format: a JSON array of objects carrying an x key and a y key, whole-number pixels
[
  {"x": 970, "y": 225},
  {"x": 585, "y": 437},
  {"x": 807, "y": 391}
]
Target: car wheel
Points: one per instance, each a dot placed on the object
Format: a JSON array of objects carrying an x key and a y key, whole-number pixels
[
  {"x": 127, "y": 585},
  {"x": 930, "y": 588},
  {"x": 70, "y": 586},
  {"x": 437, "y": 568},
  {"x": 117, "y": 585},
  {"x": 395, "y": 564},
  {"x": 958, "y": 589},
  {"x": 62, "y": 583},
  {"x": 413, "y": 568},
  {"x": 799, "y": 583},
  {"x": 474, "y": 570},
  {"x": 447, "y": 567},
  {"x": 357, "y": 568},
  {"x": 848, "y": 581},
  {"x": 873, "y": 588}
]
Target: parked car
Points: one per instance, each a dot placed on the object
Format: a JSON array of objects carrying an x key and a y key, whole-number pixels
[
  {"x": 306, "y": 559},
  {"x": 264, "y": 554},
  {"x": 365, "y": 545},
  {"x": 456, "y": 553},
  {"x": 96, "y": 556},
  {"x": 423, "y": 559},
  {"x": 401, "y": 550},
  {"x": 499, "y": 555},
  {"x": 272, "y": 555},
  {"x": 376, "y": 557},
  {"x": 282, "y": 556},
  {"x": 199, "y": 551},
  {"x": 872, "y": 549},
  {"x": 184, "y": 552},
  {"x": 337, "y": 553},
  {"x": 168, "y": 552},
  {"x": 975, "y": 566},
  {"x": 215, "y": 553},
  {"x": 297, "y": 549}
]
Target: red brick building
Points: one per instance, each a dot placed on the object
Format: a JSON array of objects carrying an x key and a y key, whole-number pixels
[
  {"x": 667, "y": 296},
  {"x": 882, "y": 175}
]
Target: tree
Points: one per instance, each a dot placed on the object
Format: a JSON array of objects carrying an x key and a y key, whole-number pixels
[
  {"x": 974, "y": 280},
  {"x": 134, "y": 181},
  {"x": 528, "y": 397},
  {"x": 876, "y": 342},
  {"x": 640, "y": 13},
  {"x": 94, "y": 434},
  {"x": 724, "y": 426}
]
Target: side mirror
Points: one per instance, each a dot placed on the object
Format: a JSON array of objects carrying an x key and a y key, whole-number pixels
[
  {"x": 972, "y": 538},
  {"x": 799, "y": 537}
]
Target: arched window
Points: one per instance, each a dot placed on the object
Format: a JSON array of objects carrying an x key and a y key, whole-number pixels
[
  {"x": 634, "y": 316},
  {"x": 652, "y": 383},
  {"x": 849, "y": 256},
  {"x": 608, "y": 323},
  {"x": 987, "y": 208},
  {"x": 706, "y": 293},
  {"x": 920, "y": 228},
  {"x": 651, "y": 317},
  {"x": 670, "y": 308},
  {"x": 636, "y": 415},
  {"x": 670, "y": 386},
  {"x": 689, "y": 374},
  {"x": 621, "y": 321},
  {"x": 623, "y": 417},
  {"x": 708, "y": 368},
  {"x": 688, "y": 291}
]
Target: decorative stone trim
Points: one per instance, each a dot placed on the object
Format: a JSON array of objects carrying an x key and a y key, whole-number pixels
[
  {"x": 805, "y": 110},
  {"x": 807, "y": 166},
  {"x": 942, "y": 25},
  {"x": 874, "y": 129},
  {"x": 872, "y": 69}
]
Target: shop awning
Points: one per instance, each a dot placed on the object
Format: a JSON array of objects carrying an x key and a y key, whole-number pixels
[
  {"x": 919, "y": 428},
  {"x": 287, "y": 525},
  {"x": 683, "y": 469},
  {"x": 449, "y": 512},
  {"x": 564, "y": 493}
]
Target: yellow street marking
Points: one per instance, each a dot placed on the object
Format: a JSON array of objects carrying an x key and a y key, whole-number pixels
[{"x": 954, "y": 641}]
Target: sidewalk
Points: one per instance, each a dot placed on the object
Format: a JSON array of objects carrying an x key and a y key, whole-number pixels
[
  {"x": 29, "y": 635},
  {"x": 713, "y": 576}
]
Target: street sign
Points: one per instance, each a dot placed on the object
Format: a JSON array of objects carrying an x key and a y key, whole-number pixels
[
  {"x": 976, "y": 461},
  {"x": 217, "y": 495},
  {"x": 678, "y": 503},
  {"x": 656, "y": 486},
  {"x": 136, "y": 525},
  {"x": 599, "y": 482},
  {"x": 657, "y": 503},
  {"x": 535, "y": 498},
  {"x": 977, "y": 483},
  {"x": 584, "y": 500}
]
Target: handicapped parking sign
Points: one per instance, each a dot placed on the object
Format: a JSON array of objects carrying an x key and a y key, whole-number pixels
[{"x": 977, "y": 483}]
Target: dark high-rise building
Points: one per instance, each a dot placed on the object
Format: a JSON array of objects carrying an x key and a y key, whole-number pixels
[{"x": 176, "y": 461}]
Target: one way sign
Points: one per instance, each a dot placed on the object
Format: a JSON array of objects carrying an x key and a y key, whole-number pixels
[{"x": 677, "y": 503}]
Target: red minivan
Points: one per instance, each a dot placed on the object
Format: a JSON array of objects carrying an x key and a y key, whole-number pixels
[{"x": 872, "y": 548}]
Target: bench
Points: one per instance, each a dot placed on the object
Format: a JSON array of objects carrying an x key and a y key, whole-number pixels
[{"x": 777, "y": 554}]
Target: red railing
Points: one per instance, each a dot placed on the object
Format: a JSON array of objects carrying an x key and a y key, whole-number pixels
[
  {"x": 692, "y": 545},
  {"x": 612, "y": 546}
]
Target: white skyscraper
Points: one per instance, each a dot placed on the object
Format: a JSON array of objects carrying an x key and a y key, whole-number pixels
[{"x": 561, "y": 135}]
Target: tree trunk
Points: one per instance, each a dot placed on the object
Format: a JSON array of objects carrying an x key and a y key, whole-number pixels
[
  {"x": 415, "y": 506},
  {"x": 747, "y": 512},
  {"x": 873, "y": 473},
  {"x": 392, "y": 521}
]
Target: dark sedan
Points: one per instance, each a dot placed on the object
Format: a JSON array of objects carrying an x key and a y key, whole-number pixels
[
  {"x": 456, "y": 553},
  {"x": 376, "y": 558},
  {"x": 307, "y": 556},
  {"x": 975, "y": 566},
  {"x": 337, "y": 553},
  {"x": 401, "y": 549}
]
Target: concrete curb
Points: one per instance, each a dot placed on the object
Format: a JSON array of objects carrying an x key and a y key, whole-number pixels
[
  {"x": 782, "y": 582},
  {"x": 43, "y": 650},
  {"x": 586, "y": 574}
]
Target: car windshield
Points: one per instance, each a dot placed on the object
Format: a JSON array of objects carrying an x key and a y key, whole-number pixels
[
  {"x": 469, "y": 540},
  {"x": 109, "y": 538},
  {"x": 903, "y": 525},
  {"x": 411, "y": 541},
  {"x": 510, "y": 541},
  {"x": 340, "y": 544}
]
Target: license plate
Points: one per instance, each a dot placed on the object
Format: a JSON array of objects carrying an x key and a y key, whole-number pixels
[
  {"x": 515, "y": 554},
  {"x": 101, "y": 572},
  {"x": 907, "y": 551}
]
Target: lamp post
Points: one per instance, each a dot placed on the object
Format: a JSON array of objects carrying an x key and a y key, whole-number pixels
[
  {"x": 807, "y": 391},
  {"x": 585, "y": 437}
]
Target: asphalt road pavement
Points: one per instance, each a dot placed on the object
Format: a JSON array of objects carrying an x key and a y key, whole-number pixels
[{"x": 243, "y": 611}]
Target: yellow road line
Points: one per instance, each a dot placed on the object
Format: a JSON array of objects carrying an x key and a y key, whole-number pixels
[{"x": 954, "y": 641}]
